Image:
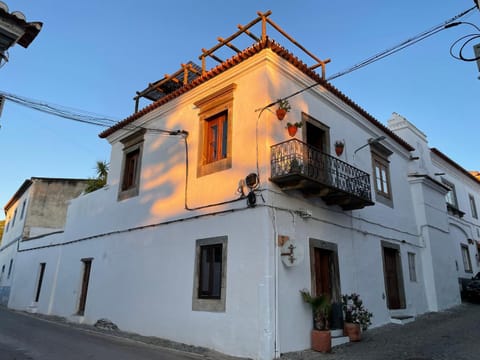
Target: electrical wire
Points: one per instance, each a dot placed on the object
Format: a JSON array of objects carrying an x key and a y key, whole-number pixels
[
  {"x": 77, "y": 115},
  {"x": 381, "y": 55},
  {"x": 469, "y": 37}
]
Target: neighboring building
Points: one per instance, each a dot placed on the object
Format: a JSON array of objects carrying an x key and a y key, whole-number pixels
[
  {"x": 453, "y": 235},
  {"x": 37, "y": 209},
  {"x": 14, "y": 29},
  {"x": 214, "y": 217},
  {"x": 2, "y": 226}
]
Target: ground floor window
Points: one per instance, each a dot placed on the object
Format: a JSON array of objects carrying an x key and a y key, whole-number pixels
[
  {"x": 467, "y": 264},
  {"x": 210, "y": 274},
  {"x": 87, "y": 267},
  {"x": 412, "y": 269},
  {"x": 41, "y": 272}
]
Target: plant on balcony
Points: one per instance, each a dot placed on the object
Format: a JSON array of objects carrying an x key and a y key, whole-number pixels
[
  {"x": 356, "y": 316},
  {"x": 293, "y": 127},
  {"x": 339, "y": 146},
  {"x": 283, "y": 108},
  {"x": 321, "y": 307},
  {"x": 295, "y": 166}
]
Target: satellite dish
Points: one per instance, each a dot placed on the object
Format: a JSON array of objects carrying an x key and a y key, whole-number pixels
[
  {"x": 292, "y": 253},
  {"x": 252, "y": 181}
]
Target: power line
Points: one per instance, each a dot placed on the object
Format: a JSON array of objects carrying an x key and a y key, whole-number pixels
[
  {"x": 77, "y": 115},
  {"x": 383, "y": 54}
]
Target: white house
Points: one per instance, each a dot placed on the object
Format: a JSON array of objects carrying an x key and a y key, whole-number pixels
[
  {"x": 38, "y": 208},
  {"x": 214, "y": 217}
]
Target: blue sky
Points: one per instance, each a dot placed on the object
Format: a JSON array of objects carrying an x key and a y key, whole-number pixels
[{"x": 94, "y": 56}]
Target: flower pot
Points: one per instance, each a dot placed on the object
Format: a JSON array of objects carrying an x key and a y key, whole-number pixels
[
  {"x": 292, "y": 130},
  {"x": 322, "y": 341},
  {"x": 339, "y": 150},
  {"x": 352, "y": 331},
  {"x": 281, "y": 113}
]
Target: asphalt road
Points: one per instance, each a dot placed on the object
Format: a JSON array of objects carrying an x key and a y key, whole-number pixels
[{"x": 25, "y": 337}]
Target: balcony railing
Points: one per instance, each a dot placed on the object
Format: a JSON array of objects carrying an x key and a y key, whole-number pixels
[{"x": 296, "y": 165}]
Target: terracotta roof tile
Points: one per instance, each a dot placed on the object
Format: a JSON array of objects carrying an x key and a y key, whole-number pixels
[
  {"x": 441, "y": 155},
  {"x": 235, "y": 60}
]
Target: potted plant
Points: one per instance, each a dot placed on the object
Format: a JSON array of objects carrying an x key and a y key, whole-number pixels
[
  {"x": 295, "y": 165},
  {"x": 339, "y": 146},
  {"x": 320, "y": 336},
  {"x": 357, "y": 317},
  {"x": 283, "y": 108},
  {"x": 292, "y": 128}
]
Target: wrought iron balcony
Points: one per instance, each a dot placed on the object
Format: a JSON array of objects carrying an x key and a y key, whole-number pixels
[{"x": 296, "y": 165}]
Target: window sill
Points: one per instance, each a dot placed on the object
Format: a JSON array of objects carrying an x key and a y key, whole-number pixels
[
  {"x": 452, "y": 210},
  {"x": 126, "y": 194}
]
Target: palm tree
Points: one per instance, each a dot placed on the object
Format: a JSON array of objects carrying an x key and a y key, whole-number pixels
[{"x": 101, "y": 169}]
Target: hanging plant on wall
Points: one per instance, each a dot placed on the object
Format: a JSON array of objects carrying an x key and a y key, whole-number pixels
[
  {"x": 293, "y": 127},
  {"x": 339, "y": 146},
  {"x": 283, "y": 108}
]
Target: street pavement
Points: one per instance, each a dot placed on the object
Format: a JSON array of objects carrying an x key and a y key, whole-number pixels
[
  {"x": 27, "y": 337},
  {"x": 453, "y": 334}
]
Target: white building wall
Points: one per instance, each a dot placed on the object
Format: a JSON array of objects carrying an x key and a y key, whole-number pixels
[
  {"x": 143, "y": 281},
  {"x": 143, "y": 248}
]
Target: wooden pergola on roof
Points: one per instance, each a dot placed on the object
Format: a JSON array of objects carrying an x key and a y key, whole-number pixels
[{"x": 190, "y": 71}]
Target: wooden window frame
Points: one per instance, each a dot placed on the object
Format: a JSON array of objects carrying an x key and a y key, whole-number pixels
[
  {"x": 216, "y": 132},
  {"x": 214, "y": 107},
  {"x": 210, "y": 301},
  {"x": 129, "y": 185}
]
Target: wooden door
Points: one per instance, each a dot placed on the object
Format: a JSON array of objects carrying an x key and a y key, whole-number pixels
[
  {"x": 323, "y": 272},
  {"x": 392, "y": 282}
]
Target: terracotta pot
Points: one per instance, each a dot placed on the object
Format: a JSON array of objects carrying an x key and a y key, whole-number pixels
[
  {"x": 292, "y": 130},
  {"x": 281, "y": 113},
  {"x": 352, "y": 331},
  {"x": 322, "y": 341},
  {"x": 339, "y": 150}
]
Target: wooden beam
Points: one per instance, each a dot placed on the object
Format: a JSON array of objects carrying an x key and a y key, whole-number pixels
[{"x": 230, "y": 45}]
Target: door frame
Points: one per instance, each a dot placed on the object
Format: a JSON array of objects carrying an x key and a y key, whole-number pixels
[
  {"x": 335, "y": 270},
  {"x": 399, "y": 274}
]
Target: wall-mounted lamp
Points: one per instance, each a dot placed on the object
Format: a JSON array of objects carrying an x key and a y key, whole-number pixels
[
  {"x": 439, "y": 174},
  {"x": 414, "y": 157},
  {"x": 369, "y": 142}
]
